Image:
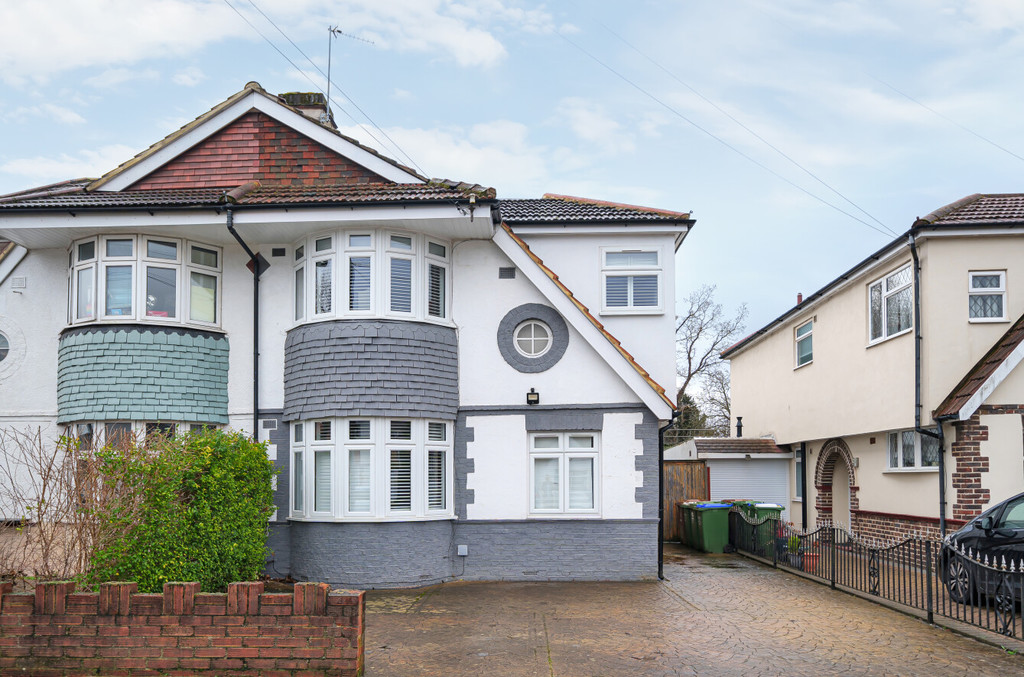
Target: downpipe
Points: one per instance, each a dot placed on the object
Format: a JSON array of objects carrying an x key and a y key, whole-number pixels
[
  {"x": 254, "y": 259},
  {"x": 661, "y": 493}
]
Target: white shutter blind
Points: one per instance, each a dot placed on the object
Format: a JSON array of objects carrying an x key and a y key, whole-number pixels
[
  {"x": 322, "y": 471},
  {"x": 297, "y": 482},
  {"x": 436, "y": 432},
  {"x": 545, "y": 484},
  {"x": 401, "y": 430},
  {"x": 359, "y": 283},
  {"x": 581, "y": 484},
  {"x": 323, "y": 286},
  {"x": 401, "y": 285},
  {"x": 300, "y": 292},
  {"x": 435, "y": 300},
  {"x": 401, "y": 479},
  {"x": 359, "y": 480},
  {"x": 645, "y": 290},
  {"x": 616, "y": 291},
  {"x": 436, "y": 467}
]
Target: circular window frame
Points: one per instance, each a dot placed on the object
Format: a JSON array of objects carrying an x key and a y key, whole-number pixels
[
  {"x": 519, "y": 316},
  {"x": 548, "y": 339},
  {"x": 16, "y": 348}
]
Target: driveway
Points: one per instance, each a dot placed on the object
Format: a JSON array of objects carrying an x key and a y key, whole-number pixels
[{"x": 714, "y": 615}]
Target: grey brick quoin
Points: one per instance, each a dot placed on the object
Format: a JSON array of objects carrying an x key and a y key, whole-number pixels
[
  {"x": 371, "y": 368},
  {"x": 135, "y": 372}
]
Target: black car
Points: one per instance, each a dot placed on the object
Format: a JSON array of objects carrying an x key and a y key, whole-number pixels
[{"x": 998, "y": 533}]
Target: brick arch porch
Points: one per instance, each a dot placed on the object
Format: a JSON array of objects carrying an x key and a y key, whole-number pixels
[{"x": 823, "y": 477}]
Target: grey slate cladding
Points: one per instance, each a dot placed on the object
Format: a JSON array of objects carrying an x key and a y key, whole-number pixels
[
  {"x": 520, "y": 314},
  {"x": 371, "y": 368},
  {"x": 136, "y": 373}
]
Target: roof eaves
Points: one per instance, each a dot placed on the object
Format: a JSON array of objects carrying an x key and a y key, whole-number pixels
[
  {"x": 685, "y": 216},
  {"x": 5, "y": 248},
  {"x": 590, "y": 317}
]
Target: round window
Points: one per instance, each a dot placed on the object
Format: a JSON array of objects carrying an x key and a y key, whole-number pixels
[
  {"x": 532, "y": 338},
  {"x": 5, "y": 347}
]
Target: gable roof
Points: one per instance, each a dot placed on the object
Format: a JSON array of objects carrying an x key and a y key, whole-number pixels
[
  {"x": 554, "y": 208},
  {"x": 985, "y": 376},
  {"x": 252, "y": 98},
  {"x": 580, "y": 317},
  {"x": 979, "y": 208}
]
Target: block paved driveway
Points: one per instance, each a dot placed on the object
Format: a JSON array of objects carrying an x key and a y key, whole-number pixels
[{"x": 715, "y": 615}]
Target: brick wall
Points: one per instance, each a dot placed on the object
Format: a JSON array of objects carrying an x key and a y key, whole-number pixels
[
  {"x": 968, "y": 465},
  {"x": 256, "y": 147},
  {"x": 887, "y": 526},
  {"x": 56, "y": 631}
]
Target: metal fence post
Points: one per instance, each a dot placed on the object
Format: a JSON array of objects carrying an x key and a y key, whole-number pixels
[
  {"x": 928, "y": 577},
  {"x": 773, "y": 540},
  {"x": 834, "y": 553}
]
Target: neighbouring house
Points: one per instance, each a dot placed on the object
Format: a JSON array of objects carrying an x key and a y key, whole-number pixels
[
  {"x": 450, "y": 384},
  {"x": 895, "y": 385},
  {"x": 741, "y": 468}
]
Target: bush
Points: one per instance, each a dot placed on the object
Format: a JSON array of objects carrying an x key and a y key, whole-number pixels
[{"x": 189, "y": 508}]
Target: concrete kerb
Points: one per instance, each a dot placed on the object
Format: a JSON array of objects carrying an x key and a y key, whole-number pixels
[{"x": 940, "y": 621}]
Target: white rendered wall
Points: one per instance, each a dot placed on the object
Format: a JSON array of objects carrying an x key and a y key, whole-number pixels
[
  {"x": 480, "y": 301},
  {"x": 1005, "y": 452},
  {"x": 501, "y": 460},
  {"x": 577, "y": 260}
]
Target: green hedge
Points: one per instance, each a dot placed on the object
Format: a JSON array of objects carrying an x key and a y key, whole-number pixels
[{"x": 189, "y": 508}]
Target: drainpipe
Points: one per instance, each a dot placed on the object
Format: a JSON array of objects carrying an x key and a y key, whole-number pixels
[
  {"x": 803, "y": 485},
  {"x": 229, "y": 199},
  {"x": 661, "y": 493},
  {"x": 918, "y": 338}
]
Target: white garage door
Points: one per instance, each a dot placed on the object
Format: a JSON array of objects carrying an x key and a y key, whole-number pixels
[{"x": 761, "y": 480}]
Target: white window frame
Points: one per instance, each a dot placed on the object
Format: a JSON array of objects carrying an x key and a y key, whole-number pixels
[
  {"x": 379, "y": 446},
  {"x": 411, "y": 255},
  {"x": 886, "y": 295},
  {"x": 798, "y": 339},
  {"x": 521, "y": 326},
  {"x": 630, "y": 272},
  {"x": 314, "y": 257},
  {"x": 992, "y": 291},
  {"x": 900, "y": 467},
  {"x": 563, "y": 453},
  {"x": 140, "y": 264}
]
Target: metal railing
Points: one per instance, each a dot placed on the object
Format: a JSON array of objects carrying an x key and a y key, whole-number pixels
[{"x": 924, "y": 574}]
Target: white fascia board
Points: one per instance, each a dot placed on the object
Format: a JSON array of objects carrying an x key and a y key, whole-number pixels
[
  {"x": 749, "y": 456},
  {"x": 289, "y": 118},
  {"x": 860, "y": 276},
  {"x": 11, "y": 261},
  {"x": 598, "y": 229},
  {"x": 991, "y": 383},
  {"x": 581, "y": 324}
]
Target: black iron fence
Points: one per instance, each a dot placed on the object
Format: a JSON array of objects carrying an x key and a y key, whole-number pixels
[{"x": 932, "y": 576}]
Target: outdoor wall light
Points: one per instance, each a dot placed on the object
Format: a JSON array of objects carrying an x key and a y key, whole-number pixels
[{"x": 533, "y": 397}]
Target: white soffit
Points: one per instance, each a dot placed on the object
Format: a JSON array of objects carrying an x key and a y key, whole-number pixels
[
  {"x": 581, "y": 324},
  {"x": 263, "y": 103}
]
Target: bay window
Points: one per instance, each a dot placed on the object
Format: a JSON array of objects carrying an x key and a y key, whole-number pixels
[
  {"x": 376, "y": 273},
  {"x": 368, "y": 469},
  {"x": 563, "y": 473},
  {"x": 140, "y": 278}
]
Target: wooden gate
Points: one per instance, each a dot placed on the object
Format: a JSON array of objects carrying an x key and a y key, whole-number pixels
[{"x": 684, "y": 480}]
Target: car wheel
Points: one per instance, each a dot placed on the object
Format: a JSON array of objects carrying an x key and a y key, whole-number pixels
[{"x": 959, "y": 580}]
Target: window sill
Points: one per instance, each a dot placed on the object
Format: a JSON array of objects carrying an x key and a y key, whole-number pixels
[
  {"x": 633, "y": 311},
  {"x": 371, "y": 519},
  {"x": 370, "y": 316},
  {"x": 149, "y": 322},
  {"x": 805, "y": 364},
  {"x": 880, "y": 341},
  {"x": 987, "y": 320},
  {"x": 910, "y": 471},
  {"x": 564, "y": 515}
]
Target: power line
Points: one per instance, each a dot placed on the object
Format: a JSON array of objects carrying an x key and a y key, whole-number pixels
[
  {"x": 343, "y": 92},
  {"x": 719, "y": 139},
  {"x": 745, "y": 127},
  {"x": 949, "y": 120}
]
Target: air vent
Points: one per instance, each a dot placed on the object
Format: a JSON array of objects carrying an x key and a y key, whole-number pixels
[
  {"x": 277, "y": 251},
  {"x": 268, "y": 423},
  {"x": 507, "y": 273}
]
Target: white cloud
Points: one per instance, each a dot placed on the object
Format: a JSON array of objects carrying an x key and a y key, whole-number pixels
[
  {"x": 113, "y": 77},
  {"x": 47, "y": 111},
  {"x": 403, "y": 95},
  {"x": 188, "y": 77},
  {"x": 87, "y": 163},
  {"x": 590, "y": 122}
]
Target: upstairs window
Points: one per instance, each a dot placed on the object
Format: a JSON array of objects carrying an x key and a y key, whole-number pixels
[
  {"x": 804, "y": 346},
  {"x": 632, "y": 280},
  {"x": 908, "y": 450},
  {"x": 126, "y": 278},
  {"x": 986, "y": 296},
  {"x": 891, "y": 304}
]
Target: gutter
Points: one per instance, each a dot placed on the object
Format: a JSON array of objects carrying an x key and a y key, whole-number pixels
[
  {"x": 230, "y": 199},
  {"x": 918, "y": 339},
  {"x": 661, "y": 493},
  {"x": 216, "y": 206}
]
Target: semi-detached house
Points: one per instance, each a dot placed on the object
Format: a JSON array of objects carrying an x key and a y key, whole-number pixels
[
  {"x": 896, "y": 385},
  {"x": 450, "y": 385}
]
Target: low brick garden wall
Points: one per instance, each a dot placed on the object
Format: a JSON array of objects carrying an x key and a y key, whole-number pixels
[{"x": 118, "y": 631}]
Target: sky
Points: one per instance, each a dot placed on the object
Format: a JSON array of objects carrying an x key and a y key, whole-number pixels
[{"x": 802, "y": 134}]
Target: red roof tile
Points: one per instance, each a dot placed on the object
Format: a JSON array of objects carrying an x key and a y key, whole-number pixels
[
  {"x": 981, "y": 371},
  {"x": 736, "y": 445}
]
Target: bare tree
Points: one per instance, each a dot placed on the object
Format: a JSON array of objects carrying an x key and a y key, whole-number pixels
[
  {"x": 714, "y": 398},
  {"x": 703, "y": 333}
]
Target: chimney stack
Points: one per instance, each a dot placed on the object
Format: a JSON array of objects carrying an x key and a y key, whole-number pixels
[
  {"x": 739, "y": 426},
  {"x": 799, "y": 298},
  {"x": 311, "y": 104}
]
